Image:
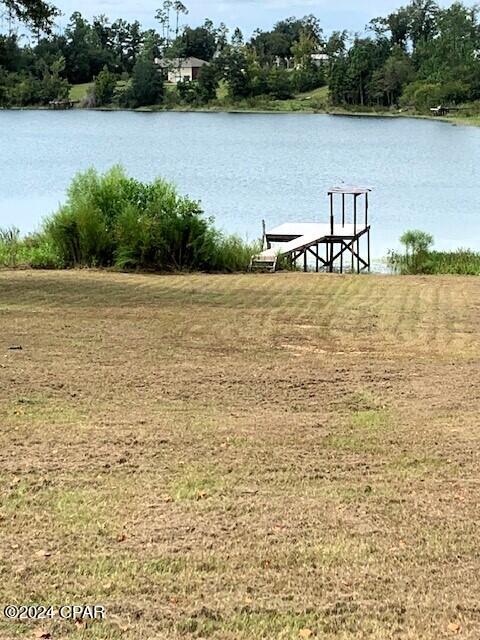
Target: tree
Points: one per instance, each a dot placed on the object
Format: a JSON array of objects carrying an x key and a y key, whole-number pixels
[
  {"x": 237, "y": 39},
  {"x": 163, "y": 17},
  {"x": 302, "y": 51},
  {"x": 221, "y": 34},
  {"x": 147, "y": 83},
  {"x": 234, "y": 65},
  {"x": 37, "y": 14},
  {"x": 105, "y": 85},
  {"x": 179, "y": 8},
  {"x": 271, "y": 45},
  {"x": 423, "y": 20},
  {"x": 392, "y": 78},
  {"x": 52, "y": 85},
  {"x": 307, "y": 75},
  {"x": 207, "y": 83},
  {"x": 336, "y": 45},
  {"x": 198, "y": 43},
  {"x": 127, "y": 43},
  {"x": 279, "y": 84},
  {"x": 10, "y": 53},
  {"x": 83, "y": 51}
]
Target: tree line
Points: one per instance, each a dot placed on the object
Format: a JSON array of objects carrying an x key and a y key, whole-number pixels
[{"x": 420, "y": 55}]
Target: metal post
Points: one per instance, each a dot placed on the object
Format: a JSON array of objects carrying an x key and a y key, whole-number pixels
[
  {"x": 366, "y": 209},
  {"x": 368, "y": 249},
  {"x": 318, "y": 259},
  {"x": 331, "y": 214},
  {"x": 355, "y": 214},
  {"x": 305, "y": 261},
  {"x": 343, "y": 209}
]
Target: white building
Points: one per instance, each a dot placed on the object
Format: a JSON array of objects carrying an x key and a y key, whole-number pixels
[
  {"x": 181, "y": 68},
  {"x": 320, "y": 59}
]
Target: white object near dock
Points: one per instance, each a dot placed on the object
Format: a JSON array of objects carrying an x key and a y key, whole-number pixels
[{"x": 339, "y": 236}]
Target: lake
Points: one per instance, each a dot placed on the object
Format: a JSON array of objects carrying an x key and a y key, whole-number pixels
[{"x": 249, "y": 167}]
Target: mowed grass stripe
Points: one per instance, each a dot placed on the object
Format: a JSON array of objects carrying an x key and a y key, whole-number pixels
[{"x": 241, "y": 456}]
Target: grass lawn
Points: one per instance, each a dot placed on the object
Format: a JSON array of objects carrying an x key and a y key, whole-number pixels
[
  {"x": 241, "y": 457},
  {"x": 80, "y": 91}
]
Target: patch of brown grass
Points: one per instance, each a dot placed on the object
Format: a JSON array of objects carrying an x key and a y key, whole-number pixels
[{"x": 241, "y": 457}]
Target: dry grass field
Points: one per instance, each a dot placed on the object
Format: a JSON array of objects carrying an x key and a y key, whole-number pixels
[{"x": 241, "y": 457}]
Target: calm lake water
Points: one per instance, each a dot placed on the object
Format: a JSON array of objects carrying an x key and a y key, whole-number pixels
[{"x": 245, "y": 167}]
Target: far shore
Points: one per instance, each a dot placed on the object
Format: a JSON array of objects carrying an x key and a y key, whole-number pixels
[{"x": 453, "y": 120}]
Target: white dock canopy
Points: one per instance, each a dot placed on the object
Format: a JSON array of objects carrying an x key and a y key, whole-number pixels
[{"x": 350, "y": 190}]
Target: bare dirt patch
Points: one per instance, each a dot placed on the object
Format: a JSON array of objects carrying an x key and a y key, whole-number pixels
[{"x": 277, "y": 456}]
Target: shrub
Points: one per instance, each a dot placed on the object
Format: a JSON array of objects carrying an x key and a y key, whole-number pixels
[
  {"x": 416, "y": 257},
  {"x": 37, "y": 251},
  {"x": 188, "y": 92},
  {"x": 104, "y": 89},
  {"x": 419, "y": 258},
  {"x": 424, "y": 95},
  {"x": 279, "y": 84},
  {"x": 421, "y": 95},
  {"x": 307, "y": 79},
  {"x": 114, "y": 220}
]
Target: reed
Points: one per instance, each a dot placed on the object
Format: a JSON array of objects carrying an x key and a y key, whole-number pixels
[{"x": 36, "y": 251}]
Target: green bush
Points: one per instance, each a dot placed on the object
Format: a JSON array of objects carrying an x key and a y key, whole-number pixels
[
  {"x": 114, "y": 220},
  {"x": 425, "y": 95},
  {"x": 37, "y": 251},
  {"x": 418, "y": 257},
  {"x": 421, "y": 95},
  {"x": 279, "y": 84},
  {"x": 104, "y": 88},
  {"x": 307, "y": 79}
]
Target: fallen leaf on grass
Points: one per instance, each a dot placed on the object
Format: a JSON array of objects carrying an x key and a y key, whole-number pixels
[
  {"x": 454, "y": 627},
  {"x": 305, "y": 633}
]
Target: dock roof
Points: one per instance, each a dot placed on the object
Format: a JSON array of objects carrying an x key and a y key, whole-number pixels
[{"x": 350, "y": 190}]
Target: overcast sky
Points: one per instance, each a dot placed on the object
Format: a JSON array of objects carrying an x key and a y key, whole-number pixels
[
  {"x": 352, "y": 15},
  {"x": 247, "y": 14}
]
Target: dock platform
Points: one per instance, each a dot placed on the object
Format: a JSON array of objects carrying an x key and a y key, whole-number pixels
[{"x": 328, "y": 243}]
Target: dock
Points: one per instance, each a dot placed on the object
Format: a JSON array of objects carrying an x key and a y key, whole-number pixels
[
  {"x": 62, "y": 104},
  {"x": 443, "y": 110},
  {"x": 336, "y": 245}
]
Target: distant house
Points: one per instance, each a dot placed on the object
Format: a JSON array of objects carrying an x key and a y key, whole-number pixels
[
  {"x": 181, "y": 68},
  {"x": 319, "y": 59}
]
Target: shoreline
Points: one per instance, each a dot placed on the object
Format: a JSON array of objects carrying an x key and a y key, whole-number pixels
[{"x": 472, "y": 121}]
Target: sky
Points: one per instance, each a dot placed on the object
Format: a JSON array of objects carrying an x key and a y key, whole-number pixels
[{"x": 247, "y": 14}]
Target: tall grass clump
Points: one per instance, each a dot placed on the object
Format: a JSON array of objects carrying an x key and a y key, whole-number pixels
[
  {"x": 418, "y": 257},
  {"x": 37, "y": 251},
  {"x": 113, "y": 220}
]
